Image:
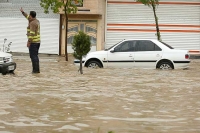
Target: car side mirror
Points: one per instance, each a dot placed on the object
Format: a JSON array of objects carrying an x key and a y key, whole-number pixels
[{"x": 112, "y": 51}]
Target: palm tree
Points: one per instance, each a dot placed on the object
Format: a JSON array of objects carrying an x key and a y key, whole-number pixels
[{"x": 153, "y": 4}]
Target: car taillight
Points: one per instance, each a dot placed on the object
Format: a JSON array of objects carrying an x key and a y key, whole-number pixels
[{"x": 187, "y": 56}]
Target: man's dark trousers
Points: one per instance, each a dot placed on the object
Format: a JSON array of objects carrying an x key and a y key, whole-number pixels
[{"x": 33, "y": 51}]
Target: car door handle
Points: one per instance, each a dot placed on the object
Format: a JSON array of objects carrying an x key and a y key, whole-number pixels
[
  {"x": 158, "y": 55},
  {"x": 130, "y": 56}
]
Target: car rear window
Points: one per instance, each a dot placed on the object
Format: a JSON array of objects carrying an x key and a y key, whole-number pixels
[
  {"x": 146, "y": 45},
  {"x": 167, "y": 45}
]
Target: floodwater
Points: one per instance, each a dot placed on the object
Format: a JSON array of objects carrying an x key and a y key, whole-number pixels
[{"x": 60, "y": 100}]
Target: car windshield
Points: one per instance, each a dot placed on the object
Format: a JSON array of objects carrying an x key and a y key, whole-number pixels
[
  {"x": 113, "y": 46},
  {"x": 167, "y": 45}
]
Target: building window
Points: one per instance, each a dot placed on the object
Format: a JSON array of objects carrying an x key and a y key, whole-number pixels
[
  {"x": 93, "y": 40},
  {"x": 88, "y": 26},
  {"x": 73, "y": 29},
  {"x": 82, "y": 27},
  {"x": 77, "y": 3},
  {"x": 70, "y": 40},
  {"x": 90, "y": 29}
]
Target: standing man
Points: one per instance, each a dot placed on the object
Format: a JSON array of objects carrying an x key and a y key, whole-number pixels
[{"x": 33, "y": 34}]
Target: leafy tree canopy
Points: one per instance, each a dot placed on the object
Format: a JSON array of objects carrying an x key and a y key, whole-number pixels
[
  {"x": 68, "y": 6},
  {"x": 149, "y": 2}
]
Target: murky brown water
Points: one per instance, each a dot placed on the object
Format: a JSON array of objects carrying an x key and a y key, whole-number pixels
[{"x": 60, "y": 100}]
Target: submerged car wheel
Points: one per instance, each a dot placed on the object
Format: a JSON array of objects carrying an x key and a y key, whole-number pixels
[
  {"x": 4, "y": 73},
  {"x": 12, "y": 71},
  {"x": 93, "y": 64},
  {"x": 165, "y": 66}
]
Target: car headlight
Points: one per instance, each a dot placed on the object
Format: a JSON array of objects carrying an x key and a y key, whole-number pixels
[{"x": 7, "y": 59}]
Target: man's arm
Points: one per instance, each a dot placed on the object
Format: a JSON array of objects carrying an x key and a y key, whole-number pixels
[{"x": 24, "y": 14}]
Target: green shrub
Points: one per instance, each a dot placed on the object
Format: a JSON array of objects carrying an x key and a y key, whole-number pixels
[{"x": 81, "y": 46}]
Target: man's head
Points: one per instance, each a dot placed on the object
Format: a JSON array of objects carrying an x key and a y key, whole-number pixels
[{"x": 32, "y": 14}]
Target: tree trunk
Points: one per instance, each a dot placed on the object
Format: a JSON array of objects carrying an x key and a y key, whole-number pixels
[
  {"x": 81, "y": 66},
  {"x": 156, "y": 20},
  {"x": 66, "y": 31}
]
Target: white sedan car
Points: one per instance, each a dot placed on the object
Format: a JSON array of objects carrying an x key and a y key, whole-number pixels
[
  {"x": 138, "y": 54},
  {"x": 6, "y": 63}
]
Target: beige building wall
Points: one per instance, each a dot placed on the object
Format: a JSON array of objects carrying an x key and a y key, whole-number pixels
[{"x": 91, "y": 10}]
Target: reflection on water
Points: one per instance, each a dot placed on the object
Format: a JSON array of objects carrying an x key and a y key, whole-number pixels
[{"x": 59, "y": 99}]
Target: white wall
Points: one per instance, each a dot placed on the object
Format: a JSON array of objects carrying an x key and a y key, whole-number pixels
[{"x": 14, "y": 29}]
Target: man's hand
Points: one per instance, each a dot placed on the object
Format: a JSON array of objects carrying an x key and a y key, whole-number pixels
[
  {"x": 28, "y": 44},
  {"x": 21, "y": 10}
]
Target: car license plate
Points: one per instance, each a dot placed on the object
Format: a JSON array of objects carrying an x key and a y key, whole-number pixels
[{"x": 11, "y": 67}]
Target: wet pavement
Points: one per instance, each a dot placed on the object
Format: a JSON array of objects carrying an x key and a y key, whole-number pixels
[{"x": 60, "y": 100}]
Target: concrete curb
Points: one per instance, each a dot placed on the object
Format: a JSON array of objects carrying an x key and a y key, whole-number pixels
[{"x": 41, "y": 55}]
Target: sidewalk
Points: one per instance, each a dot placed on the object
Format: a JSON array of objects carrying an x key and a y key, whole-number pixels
[{"x": 41, "y": 55}]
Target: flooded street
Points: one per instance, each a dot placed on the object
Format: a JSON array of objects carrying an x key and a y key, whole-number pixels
[{"x": 60, "y": 100}]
